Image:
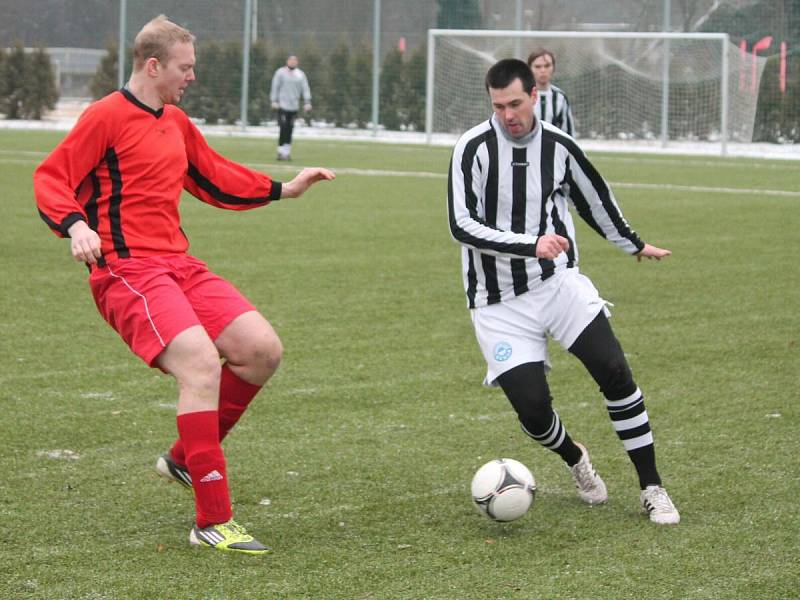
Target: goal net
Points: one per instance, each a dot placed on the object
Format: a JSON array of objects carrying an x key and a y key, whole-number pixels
[{"x": 621, "y": 86}]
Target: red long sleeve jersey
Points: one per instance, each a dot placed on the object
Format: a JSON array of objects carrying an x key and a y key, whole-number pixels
[{"x": 122, "y": 168}]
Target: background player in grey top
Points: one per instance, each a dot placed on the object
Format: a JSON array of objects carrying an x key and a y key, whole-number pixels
[
  {"x": 508, "y": 210},
  {"x": 289, "y": 86},
  {"x": 552, "y": 104}
]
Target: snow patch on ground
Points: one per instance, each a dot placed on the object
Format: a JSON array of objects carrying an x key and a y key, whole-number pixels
[
  {"x": 59, "y": 454},
  {"x": 64, "y": 121}
]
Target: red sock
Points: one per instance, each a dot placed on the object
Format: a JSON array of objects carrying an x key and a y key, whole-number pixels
[
  {"x": 199, "y": 432},
  {"x": 235, "y": 395}
]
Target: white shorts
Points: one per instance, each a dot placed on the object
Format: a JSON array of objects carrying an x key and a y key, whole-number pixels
[{"x": 515, "y": 332}]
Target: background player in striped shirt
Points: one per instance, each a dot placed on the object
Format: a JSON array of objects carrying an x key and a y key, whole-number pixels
[
  {"x": 508, "y": 209},
  {"x": 552, "y": 104},
  {"x": 113, "y": 186}
]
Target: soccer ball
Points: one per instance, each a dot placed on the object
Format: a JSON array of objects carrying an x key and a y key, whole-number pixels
[{"x": 503, "y": 489}]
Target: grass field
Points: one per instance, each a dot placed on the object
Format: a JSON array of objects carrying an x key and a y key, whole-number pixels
[{"x": 354, "y": 463}]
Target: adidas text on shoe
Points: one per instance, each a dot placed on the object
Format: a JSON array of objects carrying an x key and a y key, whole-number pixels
[
  {"x": 591, "y": 487},
  {"x": 656, "y": 502},
  {"x": 230, "y": 537},
  {"x": 172, "y": 471}
]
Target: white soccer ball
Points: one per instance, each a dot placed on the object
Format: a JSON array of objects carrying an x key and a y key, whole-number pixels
[{"x": 503, "y": 489}]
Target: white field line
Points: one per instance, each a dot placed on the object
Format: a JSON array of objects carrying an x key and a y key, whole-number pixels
[
  {"x": 61, "y": 374},
  {"x": 733, "y": 162},
  {"x": 34, "y": 153},
  {"x": 617, "y": 184},
  {"x": 677, "y": 162},
  {"x": 691, "y": 189},
  {"x": 698, "y": 189}
]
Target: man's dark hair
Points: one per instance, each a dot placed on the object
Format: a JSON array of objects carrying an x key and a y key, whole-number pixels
[
  {"x": 504, "y": 72},
  {"x": 541, "y": 52}
]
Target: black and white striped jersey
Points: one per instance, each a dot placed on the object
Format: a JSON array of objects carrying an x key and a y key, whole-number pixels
[
  {"x": 503, "y": 194},
  {"x": 552, "y": 106}
]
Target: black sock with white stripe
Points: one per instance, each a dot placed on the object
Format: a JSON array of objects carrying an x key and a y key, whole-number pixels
[
  {"x": 629, "y": 417},
  {"x": 555, "y": 438},
  {"x": 526, "y": 388},
  {"x": 600, "y": 352}
]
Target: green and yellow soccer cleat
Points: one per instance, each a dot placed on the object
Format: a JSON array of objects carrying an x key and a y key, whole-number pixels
[{"x": 230, "y": 537}]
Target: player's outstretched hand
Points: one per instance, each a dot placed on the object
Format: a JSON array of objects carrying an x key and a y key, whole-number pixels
[
  {"x": 649, "y": 252},
  {"x": 304, "y": 180},
  {"x": 85, "y": 243},
  {"x": 549, "y": 246}
]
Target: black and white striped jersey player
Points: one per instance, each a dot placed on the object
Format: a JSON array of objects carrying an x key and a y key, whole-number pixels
[
  {"x": 508, "y": 210},
  {"x": 552, "y": 104},
  {"x": 552, "y": 107}
]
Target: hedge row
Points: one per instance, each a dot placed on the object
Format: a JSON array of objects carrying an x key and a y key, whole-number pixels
[
  {"x": 27, "y": 83},
  {"x": 341, "y": 84}
]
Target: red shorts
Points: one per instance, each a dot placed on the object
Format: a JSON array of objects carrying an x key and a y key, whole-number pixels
[{"x": 150, "y": 300}]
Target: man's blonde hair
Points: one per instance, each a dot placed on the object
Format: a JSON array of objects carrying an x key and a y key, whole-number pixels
[{"x": 156, "y": 39}]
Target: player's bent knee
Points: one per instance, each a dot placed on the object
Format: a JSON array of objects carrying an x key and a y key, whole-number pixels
[
  {"x": 194, "y": 361},
  {"x": 262, "y": 352},
  {"x": 273, "y": 353},
  {"x": 267, "y": 353},
  {"x": 618, "y": 379},
  {"x": 536, "y": 420},
  {"x": 203, "y": 376}
]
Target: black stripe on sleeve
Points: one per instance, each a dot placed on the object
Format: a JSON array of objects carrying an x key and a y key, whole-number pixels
[
  {"x": 115, "y": 204},
  {"x": 546, "y": 166},
  {"x": 561, "y": 229},
  {"x": 275, "y": 191},
  {"x": 581, "y": 203},
  {"x": 599, "y": 186},
  {"x": 224, "y": 198},
  {"x": 69, "y": 221},
  {"x": 519, "y": 197},
  {"x": 66, "y": 223},
  {"x": 50, "y": 223}
]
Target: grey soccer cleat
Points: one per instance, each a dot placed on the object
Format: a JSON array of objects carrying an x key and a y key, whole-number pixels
[
  {"x": 656, "y": 502},
  {"x": 591, "y": 487}
]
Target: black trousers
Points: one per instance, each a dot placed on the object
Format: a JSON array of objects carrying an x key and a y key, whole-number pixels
[{"x": 286, "y": 123}]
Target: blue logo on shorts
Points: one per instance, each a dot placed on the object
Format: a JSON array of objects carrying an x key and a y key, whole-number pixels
[{"x": 502, "y": 351}]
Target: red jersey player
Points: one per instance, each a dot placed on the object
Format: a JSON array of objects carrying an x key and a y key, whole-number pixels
[{"x": 113, "y": 186}]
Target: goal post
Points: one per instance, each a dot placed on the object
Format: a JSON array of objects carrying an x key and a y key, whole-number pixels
[{"x": 623, "y": 86}]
